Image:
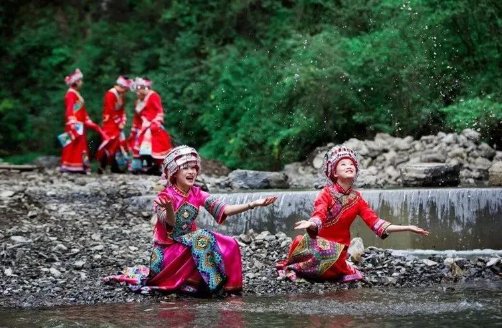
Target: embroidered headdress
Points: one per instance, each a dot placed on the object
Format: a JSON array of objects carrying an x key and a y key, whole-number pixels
[
  {"x": 333, "y": 156},
  {"x": 141, "y": 82},
  {"x": 73, "y": 77},
  {"x": 176, "y": 158},
  {"x": 124, "y": 82}
]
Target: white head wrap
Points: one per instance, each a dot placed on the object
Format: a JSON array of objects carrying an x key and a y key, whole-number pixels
[
  {"x": 124, "y": 82},
  {"x": 73, "y": 77},
  {"x": 141, "y": 82}
]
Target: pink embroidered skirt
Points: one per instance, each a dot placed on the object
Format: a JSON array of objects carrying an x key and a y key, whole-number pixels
[{"x": 192, "y": 265}]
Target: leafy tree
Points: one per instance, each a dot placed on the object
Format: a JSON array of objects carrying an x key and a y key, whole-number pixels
[{"x": 257, "y": 83}]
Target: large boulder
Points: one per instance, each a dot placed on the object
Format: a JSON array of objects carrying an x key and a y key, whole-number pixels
[
  {"x": 431, "y": 156},
  {"x": 247, "y": 179},
  {"x": 471, "y": 135},
  {"x": 300, "y": 175},
  {"x": 486, "y": 151},
  {"x": 430, "y": 175}
]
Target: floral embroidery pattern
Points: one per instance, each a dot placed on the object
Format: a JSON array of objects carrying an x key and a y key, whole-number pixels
[
  {"x": 341, "y": 203},
  {"x": 185, "y": 215},
  {"x": 313, "y": 256},
  {"x": 207, "y": 257}
]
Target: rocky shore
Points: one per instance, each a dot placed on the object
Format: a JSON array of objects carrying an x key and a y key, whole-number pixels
[
  {"x": 60, "y": 234},
  {"x": 445, "y": 159}
]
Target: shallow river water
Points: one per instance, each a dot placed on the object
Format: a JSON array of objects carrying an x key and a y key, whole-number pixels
[{"x": 457, "y": 305}]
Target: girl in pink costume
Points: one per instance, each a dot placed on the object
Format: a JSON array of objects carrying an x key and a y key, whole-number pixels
[{"x": 185, "y": 258}]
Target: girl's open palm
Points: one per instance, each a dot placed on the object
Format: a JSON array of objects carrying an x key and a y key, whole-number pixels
[
  {"x": 165, "y": 203},
  {"x": 265, "y": 201},
  {"x": 304, "y": 224},
  {"x": 419, "y": 231}
]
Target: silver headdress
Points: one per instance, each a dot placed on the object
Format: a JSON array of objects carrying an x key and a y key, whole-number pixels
[
  {"x": 333, "y": 156},
  {"x": 176, "y": 158}
]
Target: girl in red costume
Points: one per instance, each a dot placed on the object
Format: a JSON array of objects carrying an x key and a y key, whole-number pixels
[
  {"x": 75, "y": 155},
  {"x": 321, "y": 253},
  {"x": 113, "y": 151},
  {"x": 149, "y": 140}
]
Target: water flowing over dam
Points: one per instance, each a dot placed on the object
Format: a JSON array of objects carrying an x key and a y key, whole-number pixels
[{"x": 458, "y": 218}]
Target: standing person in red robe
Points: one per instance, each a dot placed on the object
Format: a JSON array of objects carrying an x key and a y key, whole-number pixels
[
  {"x": 149, "y": 140},
  {"x": 113, "y": 151},
  {"x": 75, "y": 155},
  {"x": 321, "y": 253}
]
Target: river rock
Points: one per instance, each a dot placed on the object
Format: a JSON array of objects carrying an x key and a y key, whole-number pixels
[
  {"x": 495, "y": 174},
  {"x": 471, "y": 135},
  {"x": 318, "y": 160},
  {"x": 402, "y": 144},
  {"x": 430, "y": 174},
  {"x": 431, "y": 156},
  {"x": 47, "y": 162},
  {"x": 492, "y": 261},
  {"x": 358, "y": 146},
  {"x": 20, "y": 239},
  {"x": 481, "y": 163},
  {"x": 429, "y": 262},
  {"x": 300, "y": 175},
  {"x": 55, "y": 272},
  {"x": 486, "y": 151},
  {"x": 356, "y": 249},
  {"x": 248, "y": 179},
  {"x": 7, "y": 193}
]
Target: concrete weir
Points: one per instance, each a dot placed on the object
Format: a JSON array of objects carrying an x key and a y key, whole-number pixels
[{"x": 458, "y": 218}]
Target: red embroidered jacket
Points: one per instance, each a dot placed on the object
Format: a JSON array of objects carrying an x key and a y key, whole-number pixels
[{"x": 334, "y": 211}]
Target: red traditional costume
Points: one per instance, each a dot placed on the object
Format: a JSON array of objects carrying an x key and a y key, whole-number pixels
[
  {"x": 185, "y": 258},
  {"x": 113, "y": 151},
  {"x": 75, "y": 155},
  {"x": 148, "y": 136},
  {"x": 321, "y": 253}
]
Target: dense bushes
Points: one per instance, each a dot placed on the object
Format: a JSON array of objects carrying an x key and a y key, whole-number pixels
[{"x": 254, "y": 83}]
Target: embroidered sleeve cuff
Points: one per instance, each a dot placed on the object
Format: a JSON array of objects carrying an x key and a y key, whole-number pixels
[
  {"x": 216, "y": 207},
  {"x": 380, "y": 228}
]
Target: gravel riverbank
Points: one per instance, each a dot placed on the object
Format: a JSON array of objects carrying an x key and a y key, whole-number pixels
[{"x": 60, "y": 234}]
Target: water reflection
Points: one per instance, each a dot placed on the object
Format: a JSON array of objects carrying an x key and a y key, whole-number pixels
[{"x": 474, "y": 304}]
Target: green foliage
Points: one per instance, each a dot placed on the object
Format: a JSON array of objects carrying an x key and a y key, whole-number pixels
[
  {"x": 257, "y": 83},
  {"x": 483, "y": 115},
  {"x": 22, "y": 158}
]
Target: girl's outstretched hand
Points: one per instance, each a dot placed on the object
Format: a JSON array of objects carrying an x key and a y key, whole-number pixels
[
  {"x": 304, "y": 224},
  {"x": 165, "y": 203},
  {"x": 264, "y": 201},
  {"x": 418, "y": 230}
]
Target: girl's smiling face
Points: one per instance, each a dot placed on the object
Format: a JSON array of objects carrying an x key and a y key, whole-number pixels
[
  {"x": 345, "y": 169},
  {"x": 185, "y": 177}
]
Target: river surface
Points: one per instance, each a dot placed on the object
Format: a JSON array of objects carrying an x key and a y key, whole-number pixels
[{"x": 457, "y": 305}]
